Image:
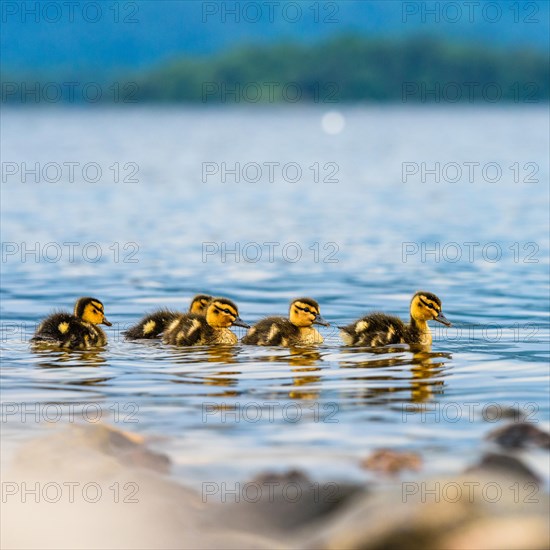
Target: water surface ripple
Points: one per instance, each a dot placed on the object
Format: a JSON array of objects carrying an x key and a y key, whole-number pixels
[{"x": 318, "y": 409}]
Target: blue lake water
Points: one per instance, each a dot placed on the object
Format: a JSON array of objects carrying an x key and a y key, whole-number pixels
[{"x": 355, "y": 219}]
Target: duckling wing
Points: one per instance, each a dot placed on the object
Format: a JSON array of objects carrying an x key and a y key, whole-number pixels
[
  {"x": 152, "y": 325},
  {"x": 271, "y": 331},
  {"x": 187, "y": 330},
  {"x": 63, "y": 329},
  {"x": 375, "y": 329}
]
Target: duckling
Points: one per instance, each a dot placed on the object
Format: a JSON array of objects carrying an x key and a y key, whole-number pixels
[
  {"x": 296, "y": 330},
  {"x": 379, "y": 329},
  {"x": 191, "y": 329},
  {"x": 152, "y": 325},
  {"x": 199, "y": 303},
  {"x": 79, "y": 330}
]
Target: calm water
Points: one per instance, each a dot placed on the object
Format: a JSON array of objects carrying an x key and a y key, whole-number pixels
[{"x": 364, "y": 236}]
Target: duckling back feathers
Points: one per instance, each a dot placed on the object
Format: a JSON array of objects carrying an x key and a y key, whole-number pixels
[
  {"x": 152, "y": 325},
  {"x": 191, "y": 329},
  {"x": 272, "y": 331},
  {"x": 376, "y": 329},
  {"x": 293, "y": 331}
]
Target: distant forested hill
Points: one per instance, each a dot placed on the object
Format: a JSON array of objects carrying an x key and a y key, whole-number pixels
[
  {"x": 352, "y": 68},
  {"x": 340, "y": 69}
]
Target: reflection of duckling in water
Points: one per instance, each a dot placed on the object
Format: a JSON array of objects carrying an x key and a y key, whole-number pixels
[
  {"x": 191, "y": 329},
  {"x": 426, "y": 368},
  {"x": 152, "y": 325},
  {"x": 62, "y": 358},
  {"x": 379, "y": 329},
  {"x": 304, "y": 367},
  {"x": 78, "y": 330},
  {"x": 306, "y": 358},
  {"x": 294, "y": 331},
  {"x": 427, "y": 378}
]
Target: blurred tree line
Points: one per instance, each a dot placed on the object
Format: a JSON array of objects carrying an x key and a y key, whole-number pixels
[
  {"x": 344, "y": 69},
  {"x": 352, "y": 68}
]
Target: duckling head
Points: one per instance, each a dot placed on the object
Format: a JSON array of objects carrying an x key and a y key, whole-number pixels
[
  {"x": 305, "y": 312},
  {"x": 199, "y": 303},
  {"x": 223, "y": 313},
  {"x": 426, "y": 306},
  {"x": 91, "y": 310}
]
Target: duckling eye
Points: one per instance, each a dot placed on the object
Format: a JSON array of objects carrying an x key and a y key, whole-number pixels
[
  {"x": 429, "y": 306},
  {"x": 226, "y": 311},
  {"x": 307, "y": 310}
]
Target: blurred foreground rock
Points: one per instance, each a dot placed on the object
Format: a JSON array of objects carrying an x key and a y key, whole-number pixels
[
  {"x": 112, "y": 494},
  {"x": 95, "y": 487},
  {"x": 504, "y": 464},
  {"x": 519, "y": 436},
  {"x": 466, "y": 513},
  {"x": 281, "y": 504},
  {"x": 391, "y": 462}
]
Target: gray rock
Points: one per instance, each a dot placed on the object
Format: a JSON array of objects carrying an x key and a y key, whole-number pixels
[
  {"x": 504, "y": 465},
  {"x": 282, "y": 503},
  {"x": 520, "y": 435}
]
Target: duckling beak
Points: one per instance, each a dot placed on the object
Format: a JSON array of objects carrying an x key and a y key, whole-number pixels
[
  {"x": 443, "y": 320},
  {"x": 106, "y": 322},
  {"x": 320, "y": 321},
  {"x": 238, "y": 322}
]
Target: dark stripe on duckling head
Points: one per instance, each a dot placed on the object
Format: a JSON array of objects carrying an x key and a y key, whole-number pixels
[
  {"x": 81, "y": 304},
  {"x": 224, "y": 313},
  {"x": 307, "y": 309},
  {"x": 311, "y": 313},
  {"x": 428, "y": 296},
  {"x": 430, "y": 305},
  {"x": 199, "y": 303},
  {"x": 307, "y": 302},
  {"x": 202, "y": 297},
  {"x": 225, "y": 305}
]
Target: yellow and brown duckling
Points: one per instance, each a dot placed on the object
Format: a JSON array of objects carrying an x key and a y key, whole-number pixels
[
  {"x": 192, "y": 329},
  {"x": 154, "y": 324},
  {"x": 78, "y": 330},
  {"x": 379, "y": 329},
  {"x": 294, "y": 331}
]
